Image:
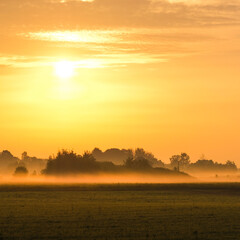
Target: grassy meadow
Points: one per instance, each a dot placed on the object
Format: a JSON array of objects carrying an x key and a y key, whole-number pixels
[{"x": 120, "y": 211}]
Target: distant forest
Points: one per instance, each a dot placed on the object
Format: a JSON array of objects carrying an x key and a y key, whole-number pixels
[{"x": 110, "y": 161}]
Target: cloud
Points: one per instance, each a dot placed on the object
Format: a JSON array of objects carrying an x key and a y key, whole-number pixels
[
  {"x": 83, "y": 36},
  {"x": 129, "y": 41},
  {"x": 98, "y": 61},
  {"x": 50, "y": 14},
  {"x": 188, "y": 2},
  {"x": 143, "y": 31},
  {"x": 66, "y": 1}
]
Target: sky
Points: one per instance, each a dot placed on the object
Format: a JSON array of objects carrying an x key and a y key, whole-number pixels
[{"x": 159, "y": 74}]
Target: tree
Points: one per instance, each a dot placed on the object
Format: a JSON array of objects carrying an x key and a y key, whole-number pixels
[
  {"x": 231, "y": 166},
  {"x": 8, "y": 162},
  {"x": 185, "y": 160},
  {"x": 174, "y": 161},
  {"x": 114, "y": 155},
  {"x": 68, "y": 162},
  {"x": 211, "y": 166},
  {"x": 6, "y": 154},
  {"x": 97, "y": 153},
  {"x": 180, "y": 161},
  {"x": 21, "y": 171},
  {"x": 141, "y": 153},
  {"x": 24, "y": 156},
  {"x": 129, "y": 162},
  {"x": 137, "y": 163}
]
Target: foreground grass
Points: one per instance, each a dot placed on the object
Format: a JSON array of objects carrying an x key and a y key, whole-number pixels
[{"x": 120, "y": 211}]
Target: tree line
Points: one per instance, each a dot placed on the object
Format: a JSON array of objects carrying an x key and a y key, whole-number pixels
[{"x": 112, "y": 160}]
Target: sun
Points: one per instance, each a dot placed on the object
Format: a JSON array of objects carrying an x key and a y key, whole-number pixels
[{"x": 64, "y": 69}]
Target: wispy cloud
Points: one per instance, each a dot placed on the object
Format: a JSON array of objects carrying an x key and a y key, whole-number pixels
[
  {"x": 141, "y": 31},
  {"x": 123, "y": 46},
  {"x": 49, "y": 14},
  {"x": 83, "y": 36},
  {"x": 99, "y": 61}
]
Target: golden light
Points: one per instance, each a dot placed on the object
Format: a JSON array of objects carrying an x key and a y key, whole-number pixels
[{"x": 64, "y": 69}]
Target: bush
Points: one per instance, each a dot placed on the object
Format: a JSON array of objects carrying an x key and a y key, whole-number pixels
[
  {"x": 21, "y": 171},
  {"x": 68, "y": 162}
]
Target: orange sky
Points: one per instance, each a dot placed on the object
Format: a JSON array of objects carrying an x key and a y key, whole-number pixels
[{"x": 162, "y": 75}]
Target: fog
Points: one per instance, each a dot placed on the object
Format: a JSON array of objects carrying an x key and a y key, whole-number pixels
[{"x": 131, "y": 178}]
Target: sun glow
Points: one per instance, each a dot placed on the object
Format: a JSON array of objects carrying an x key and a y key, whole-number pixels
[{"x": 64, "y": 69}]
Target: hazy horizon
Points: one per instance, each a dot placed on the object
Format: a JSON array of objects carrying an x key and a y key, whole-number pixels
[
  {"x": 112, "y": 166},
  {"x": 166, "y": 161}
]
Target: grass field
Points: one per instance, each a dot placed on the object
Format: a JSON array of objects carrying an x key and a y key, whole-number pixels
[{"x": 120, "y": 211}]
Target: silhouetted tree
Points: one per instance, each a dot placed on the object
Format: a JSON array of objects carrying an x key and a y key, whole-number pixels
[
  {"x": 180, "y": 161},
  {"x": 68, "y": 162},
  {"x": 114, "y": 155},
  {"x": 6, "y": 154},
  {"x": 137, "y": 163},
  {"x": 32, "y": 163},
  {"x": 118, "y": 156},
  {"x": 140, "y": 152},
  {"x": 129, "y": 162},
  {"x": 128, "y": 152},
  {"x": 205, "y": 165},
  {"x": 174, "y": 161},
  {"x": 8, "y": 162},
  {"x": 21, "y": 171},
  {"x": 88, "y": 162},
  {"x": 231, "y": 166},
  {"x": 24, "y": 156},
  {"x": 97, "y": 153}
]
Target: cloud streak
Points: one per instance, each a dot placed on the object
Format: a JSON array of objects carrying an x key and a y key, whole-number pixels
[
  {"x": 148, "y": 29},
  {"x": 114, "y": 13}
]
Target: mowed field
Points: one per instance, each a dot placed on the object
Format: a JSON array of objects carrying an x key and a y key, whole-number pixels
[{"x": 120, "y": 211}]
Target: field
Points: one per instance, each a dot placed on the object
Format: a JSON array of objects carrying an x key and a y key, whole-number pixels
[{"x": 120, "y": 211}]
